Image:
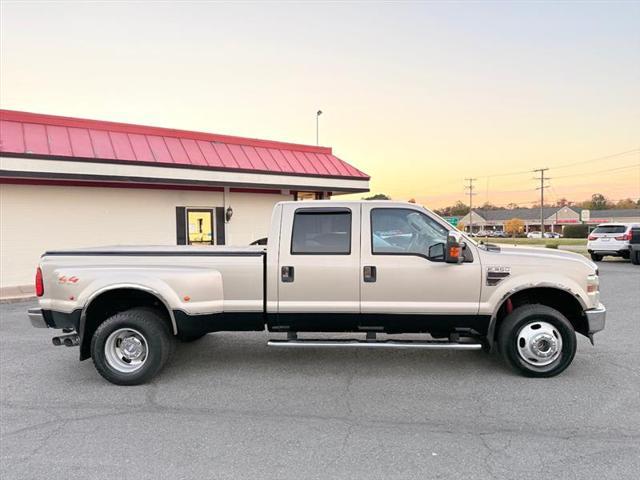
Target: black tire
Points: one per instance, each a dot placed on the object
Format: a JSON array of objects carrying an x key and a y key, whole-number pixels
[
  {"x": 595, "y": 257},
  {"x": 527, "y": 316},
  {"x": 626, "y": 254},
  {"x": 635, "y": 257},
  {"x": 156, "y": 334},
  {"x": 187, "y": 338}
]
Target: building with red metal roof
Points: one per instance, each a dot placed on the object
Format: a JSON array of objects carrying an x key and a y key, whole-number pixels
[{"x": 72, "y": 182}]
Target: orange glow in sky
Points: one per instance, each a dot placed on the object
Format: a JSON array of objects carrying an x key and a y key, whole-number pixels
[{"x": 419, "y": 96}]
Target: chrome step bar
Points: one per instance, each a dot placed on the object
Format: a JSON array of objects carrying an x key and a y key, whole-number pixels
[{"x": 350, "y": 343}]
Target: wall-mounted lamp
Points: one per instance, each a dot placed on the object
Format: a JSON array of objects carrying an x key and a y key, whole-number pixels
[{"x": 229, "y": 213}]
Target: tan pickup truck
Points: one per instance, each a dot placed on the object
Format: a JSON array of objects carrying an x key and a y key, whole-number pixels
[{"x": 364, "y": 267}]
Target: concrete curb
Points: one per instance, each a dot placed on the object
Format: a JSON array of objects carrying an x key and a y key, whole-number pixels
[
  {"x": 24, "y": 298},
  {"x": 17, "y": 293}
]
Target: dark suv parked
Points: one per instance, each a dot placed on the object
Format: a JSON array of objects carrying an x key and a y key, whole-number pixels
[{"x": 634, "y": 246}]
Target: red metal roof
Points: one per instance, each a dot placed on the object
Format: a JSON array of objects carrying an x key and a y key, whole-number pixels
[{"x": 50, "y": 136}]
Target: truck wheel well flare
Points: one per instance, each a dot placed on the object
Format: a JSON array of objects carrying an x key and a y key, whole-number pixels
[
  {"x": 113, "y": 301},
  {"x": 559, "y": 300}
]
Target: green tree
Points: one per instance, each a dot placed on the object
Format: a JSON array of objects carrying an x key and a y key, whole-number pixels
[
  {"x": 599, "y": 202},
  {"x": 459, "y": 209},
  {"x": 625, "y": 203},
  {"x": 378, "y": 196},
  {"x": 563, "y": 202},
  {"x": 489, "y": 206}
]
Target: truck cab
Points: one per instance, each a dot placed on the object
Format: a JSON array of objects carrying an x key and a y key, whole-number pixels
[{"x": 370, "y": 266}]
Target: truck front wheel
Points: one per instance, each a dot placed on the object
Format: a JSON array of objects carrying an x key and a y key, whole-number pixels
[
  {"x": 537, "y": 341},
  {"x": 131, "y": 347}
]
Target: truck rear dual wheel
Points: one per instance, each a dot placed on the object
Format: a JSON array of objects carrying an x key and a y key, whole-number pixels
[
  {"x": 537, "y": 341},
  {"x": 131, "y": 347}
]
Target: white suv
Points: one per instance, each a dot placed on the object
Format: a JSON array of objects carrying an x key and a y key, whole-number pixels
[{"x": 609, "y": 239}]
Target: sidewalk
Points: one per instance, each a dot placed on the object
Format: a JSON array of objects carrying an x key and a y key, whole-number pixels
[{"x": 16, "y": 294}]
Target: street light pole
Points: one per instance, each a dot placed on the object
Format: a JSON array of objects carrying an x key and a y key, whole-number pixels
[{"x": 318, "y": 113}]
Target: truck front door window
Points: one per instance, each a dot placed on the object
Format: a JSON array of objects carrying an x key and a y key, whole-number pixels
[{"x": 402, "y": 231}]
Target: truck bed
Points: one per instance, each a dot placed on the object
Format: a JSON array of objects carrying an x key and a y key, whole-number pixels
[{"x": 204, "y": 288}]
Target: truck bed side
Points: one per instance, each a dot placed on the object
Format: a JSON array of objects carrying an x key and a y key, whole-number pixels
[{"x": 207, "y": 288}]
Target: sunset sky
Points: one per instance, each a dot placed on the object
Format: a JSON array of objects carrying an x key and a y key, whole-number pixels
[{"x": 418, "y": 95}]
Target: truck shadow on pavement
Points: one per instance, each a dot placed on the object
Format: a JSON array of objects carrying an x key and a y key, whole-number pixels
[{"x": 225, "y": 353}]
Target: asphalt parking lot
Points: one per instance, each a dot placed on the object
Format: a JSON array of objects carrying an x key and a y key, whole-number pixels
[{"x": 229, "y": 407}]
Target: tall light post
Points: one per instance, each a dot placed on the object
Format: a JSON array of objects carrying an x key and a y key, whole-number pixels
[{"x": 318, "y": 113}]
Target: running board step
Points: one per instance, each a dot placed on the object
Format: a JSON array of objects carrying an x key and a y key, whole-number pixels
[{"x": 348, "y": 343}]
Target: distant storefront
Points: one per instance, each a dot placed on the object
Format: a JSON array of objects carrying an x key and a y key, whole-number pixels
[{"x": 555, "y": 218}]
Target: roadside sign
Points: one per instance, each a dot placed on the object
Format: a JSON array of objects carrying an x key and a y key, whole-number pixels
[
  {"x": 452, "y": 220},
  {"x": 585, "y": 215}
]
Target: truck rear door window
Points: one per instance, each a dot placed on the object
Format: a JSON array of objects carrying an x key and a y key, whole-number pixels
[{"x": 321, "y": 232}]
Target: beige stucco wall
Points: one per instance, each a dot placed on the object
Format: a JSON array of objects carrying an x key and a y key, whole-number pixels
[{"x": 38, "y": 218}]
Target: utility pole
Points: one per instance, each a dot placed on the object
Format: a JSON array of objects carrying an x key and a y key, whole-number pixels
[
  {"x": 318, "y": 113},
  {"x": 541, "y": 188},
  {"x": 470, "y": 187}
]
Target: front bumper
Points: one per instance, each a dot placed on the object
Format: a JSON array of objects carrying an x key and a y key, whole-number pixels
[
  {"x": 596, "y": 319},
  {"x": 37, "y": 318}
]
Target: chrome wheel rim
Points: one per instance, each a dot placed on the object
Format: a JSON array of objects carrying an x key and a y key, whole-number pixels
[
  {"x": 126, "y": 350},
  {"x": 539, "y": 343}
]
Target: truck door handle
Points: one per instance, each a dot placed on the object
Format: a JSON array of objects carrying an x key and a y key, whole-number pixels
[
  {"x": 287, "y": 274},
  {"x": 369, "y": 273}
]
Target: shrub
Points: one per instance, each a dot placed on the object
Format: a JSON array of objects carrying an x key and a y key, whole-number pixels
[
  {"x": 575, "y": 231},
  {"x": 552, "y": 245},
  {"x": 514, "y": 227}
]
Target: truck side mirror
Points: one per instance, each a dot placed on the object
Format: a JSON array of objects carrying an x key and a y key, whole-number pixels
[
  {"x": 454, "y": 249},
  {"x": 436, "y": 251}
]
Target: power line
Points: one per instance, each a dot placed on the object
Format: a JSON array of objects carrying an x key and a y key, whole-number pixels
[
  {"x": 470, "y": 187},
  {"x": 598, "y": 158},
  {"x": 635, "y": 165},
  {"x": 555, "y": 194},
  {"x": 566, "y": 165},
  {"x": 508, "y": 174}
]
